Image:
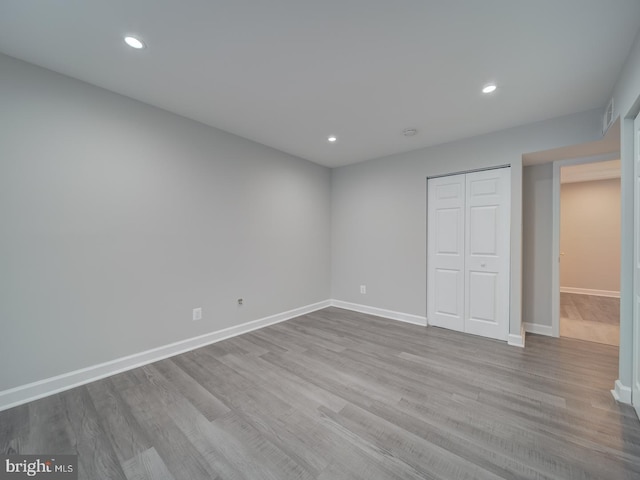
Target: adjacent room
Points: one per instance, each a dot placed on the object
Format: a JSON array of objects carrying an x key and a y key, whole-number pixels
[
  {"x": 319, "y": 240},
  {"x": 590, "y": 252}
]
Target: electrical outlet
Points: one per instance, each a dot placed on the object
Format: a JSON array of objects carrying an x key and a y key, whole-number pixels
[
  {"x": 363, "y": 289},
  {"x": 197, "y": 314}
]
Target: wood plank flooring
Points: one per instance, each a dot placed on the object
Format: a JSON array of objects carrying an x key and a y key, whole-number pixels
[
  {"x": 589, "y": 317},
  {"x": 341, "y": 395},
  {"x": 590, "y": 308}
]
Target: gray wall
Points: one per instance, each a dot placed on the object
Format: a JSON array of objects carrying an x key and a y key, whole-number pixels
[
  {"x": 379, "y": 211},
  {"x": 118, "y": 218},
  {"x": 537, "y": 220}
]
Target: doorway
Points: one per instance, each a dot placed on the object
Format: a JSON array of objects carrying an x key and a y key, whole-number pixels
[{"x": 590, "y": 251}]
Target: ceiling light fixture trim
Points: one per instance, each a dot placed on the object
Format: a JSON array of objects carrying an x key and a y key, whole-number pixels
[
  {"x": 134, "y": 42},
  {"x": 489, "y": 88}
]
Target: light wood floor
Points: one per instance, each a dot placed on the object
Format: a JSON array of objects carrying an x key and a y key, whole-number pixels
[
  {"x": 589, "y": 317},
  {"x": 341, "y": 395}
]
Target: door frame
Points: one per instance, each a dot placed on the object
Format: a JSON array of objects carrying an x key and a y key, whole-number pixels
[
  {"x": 555, "y": 232},
  {"x": 635, "y": 369}
]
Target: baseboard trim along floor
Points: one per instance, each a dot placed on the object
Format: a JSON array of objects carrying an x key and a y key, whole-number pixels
[
  {"x": 49, "y": 386},
  {"x": 381, "y": 312},
  {"x": 590, "y": 291},
  {"x": 621, "y": 393},
  {"x": 516, "y": 340},
  {"x": 546, "y": 330}
]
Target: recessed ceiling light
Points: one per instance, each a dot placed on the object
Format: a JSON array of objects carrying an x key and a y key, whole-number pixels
[
  {"x": 332, "y": 138},
  {"x": 409, "y": 132},
  {"x": 134, "y": 42},
  {"x": 490, "y": 88}
]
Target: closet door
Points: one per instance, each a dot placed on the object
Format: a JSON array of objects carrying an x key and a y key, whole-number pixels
[
  {"x": 487, "y": 253},
  {"x": 468, "y": 252},
  {"x": 445, "y": 252}
]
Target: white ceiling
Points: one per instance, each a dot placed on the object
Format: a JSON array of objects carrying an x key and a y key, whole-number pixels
[{"x": 287, "y": 73}]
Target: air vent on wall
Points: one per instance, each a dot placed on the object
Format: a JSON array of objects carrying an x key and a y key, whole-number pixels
[{"x": 608, "y": 117}]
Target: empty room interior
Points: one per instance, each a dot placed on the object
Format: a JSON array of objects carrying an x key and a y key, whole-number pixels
[{"x": 320, "y": 240}]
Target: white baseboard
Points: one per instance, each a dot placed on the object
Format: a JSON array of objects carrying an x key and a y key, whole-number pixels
[
  {"x": 621, "y": 393},
  {"x": 517, "y": 340},
  {"x": 381, "y": 312},
  {"x": 538, "y": 329},
  {"x": 43, "y": 388},
  {"x": 588, "y": 291}
]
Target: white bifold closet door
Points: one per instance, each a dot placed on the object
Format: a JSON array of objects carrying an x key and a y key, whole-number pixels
[{"x": 468, "y": 252}]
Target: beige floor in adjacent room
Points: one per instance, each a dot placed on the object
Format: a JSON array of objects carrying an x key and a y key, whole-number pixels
[{"x": 591, "y": 318}]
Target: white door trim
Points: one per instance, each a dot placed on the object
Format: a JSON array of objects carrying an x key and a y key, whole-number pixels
[
  {"x": 635, "y": 369},
  {"x": 555, "y": 231}
]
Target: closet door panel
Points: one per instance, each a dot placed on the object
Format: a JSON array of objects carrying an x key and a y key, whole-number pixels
[
  {"x": 483, "y": 296},
  {"x": 445, "y": 252},
  {"x": 487, "y": 236}
]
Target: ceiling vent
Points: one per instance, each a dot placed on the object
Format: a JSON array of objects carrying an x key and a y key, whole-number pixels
[{"x": 608, "y": 117}]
